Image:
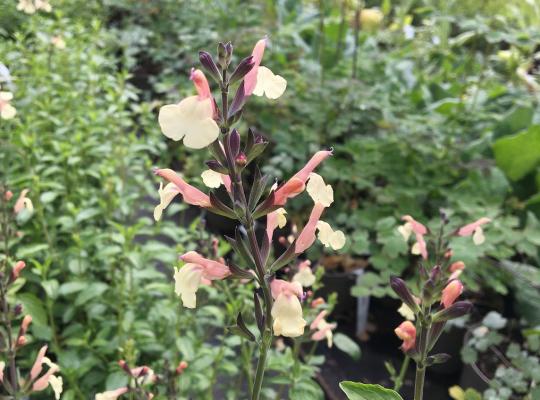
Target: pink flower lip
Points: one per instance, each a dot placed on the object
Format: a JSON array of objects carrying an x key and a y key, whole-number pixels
[
  {"x": 469, "y": 229},
  {"x": 307, "y": 236},
  {"x": 406, "y": 331},
  {"x": 211, "y": 269},
  {"x": 451, "y": 292},
  {"x": 191, "y": 194},
  {"x": 201, "y": 84}
]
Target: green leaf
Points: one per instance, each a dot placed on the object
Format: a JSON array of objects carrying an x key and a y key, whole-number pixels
[
  {"x": 362, "y": 391},
  {"x": 347, "y": 345},
  {"x": 518, "y": 155}
]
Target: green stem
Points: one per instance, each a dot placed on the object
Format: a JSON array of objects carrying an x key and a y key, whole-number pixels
[
  {"x": 399, "y": 379},
  {"x": 261, "y": 365},
  {"x": 421, "y": 363}
]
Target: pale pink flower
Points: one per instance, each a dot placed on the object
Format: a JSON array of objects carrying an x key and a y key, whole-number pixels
[
  {"x": 17, "y": 268},
  {"x": 307, "y": 236},
  {"x": 451, "y": 292},
  {"x": 297, "y": 183},
  {"x": 261, "y": 80},
  {"x": 23, "y": 202},
  {"x": 38, "y": 363},
  {"x": 190, "y": 194},
  {"x": 420, "y": 247},
  {"x": 273, "y": 220},
  {"x": 406, "y": 331},
  {"x": 182, "y": 365},
  {"x": 287, "y": 310},
  {"x": 474, "y": 229},
  {"x": 197, "y": 269},
  {"x": 416, "y": 226},
  {"x": 112, "y": 394},
  {"x": 457, "y": 266},
  {"x": 323, "y": 329}
]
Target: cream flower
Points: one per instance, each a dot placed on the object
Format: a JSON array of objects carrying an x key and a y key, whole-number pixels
[
  {"x": 269, "y": 84},
  {"x": 478, "y": 236},
  {"x": 190, "y": 276},
  {"x": 287, "y": 310},
  {"x": 211, "y": 179},
  {"x": 57, "y": 385},
  {"x": 58, "y": 42},
  {"x": 406, "y": 312},
  {"x": 330, "y": 238},
  {"x": 7, "y": 111},
  {"x": 186, "y": 283},
  {"x": 111, "y": 394},
  {"x": 260, "y": 80},
  {"x": 304, "y": 276},
  {"x": 191, "y": 120},
  {"x": 166, "y": 195},
  {"x": 275, "y": 219},
  {"x": 405, "y": 230},
  {"x": 319, "y": 191}
]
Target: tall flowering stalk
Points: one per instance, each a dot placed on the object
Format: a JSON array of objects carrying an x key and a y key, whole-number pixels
[
  {"x": 14, "y": 323},
  {"x": 201, "y": 122},
  {"x": 428, "y": 310}
]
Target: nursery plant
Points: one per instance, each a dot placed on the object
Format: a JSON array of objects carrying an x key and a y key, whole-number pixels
[
  {"x": 200, "y": 123},
  {"x": 430, "y": 304}
]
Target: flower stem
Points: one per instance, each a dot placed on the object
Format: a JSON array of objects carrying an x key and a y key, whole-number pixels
[
  {"x": 421, "y": 362},
  {"x": 261, "y": 364},
  {"x": 399, "y": 379}
]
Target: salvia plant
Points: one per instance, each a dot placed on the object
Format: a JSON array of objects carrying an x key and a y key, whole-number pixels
[
  {"x": 202, "y": 122},
  {"x": 14, "y": 321},
  {"x": 428, "y": 308}
]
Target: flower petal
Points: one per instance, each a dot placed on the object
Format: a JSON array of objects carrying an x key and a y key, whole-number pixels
[
  {"x": 319, "y": 191},
  {"x": 187, "y": 280},
  {"x": 287, "y": 315},
  {"x": 273, "y": 86},
  {"x": 211, "y": 179}
]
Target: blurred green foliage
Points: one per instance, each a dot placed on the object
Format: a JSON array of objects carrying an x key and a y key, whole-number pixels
[{"x": 428, "y": 110}]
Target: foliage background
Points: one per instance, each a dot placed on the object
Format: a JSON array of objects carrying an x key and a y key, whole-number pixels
[{"x": 437, "y": 119}]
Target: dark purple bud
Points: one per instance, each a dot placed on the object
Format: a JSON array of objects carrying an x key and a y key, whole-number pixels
[
  {"x": 242, "y": 69},
  {"x": 400, "y": 287},
  {"x": 209, "y": 65},
  {"x": 18, "y": 309},
  {"x": 456, "y": 310},
  {"x": 234, "y": 142},
  {"x": 224, "y": 54},
  {"x": 238, "y": 101},
  {"x": 444, "y": 216},
  {"x": 216, "y": 166}
]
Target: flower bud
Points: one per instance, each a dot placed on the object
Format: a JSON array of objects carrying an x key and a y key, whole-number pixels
[
  {"x": 456, "y": 310},
  {"x": 209, "y": 65},
  {"x": 182, "y": 365},
  {"x": 18, "y": 309},
  {"x": 457, "y": 266},
  {"x": 21, "y": 341},
  {"x": 399, "y": 286},
  {"x": 448, "y": 254},
  {"x": 224, "y": 54},
  {"x": 16, "y": 271},
  {"x": 241, "y": 159},
  {"x": 8, "y": 195},
  {"x": 233, "y": 143},
  {"x": 242, "y": 69}
]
